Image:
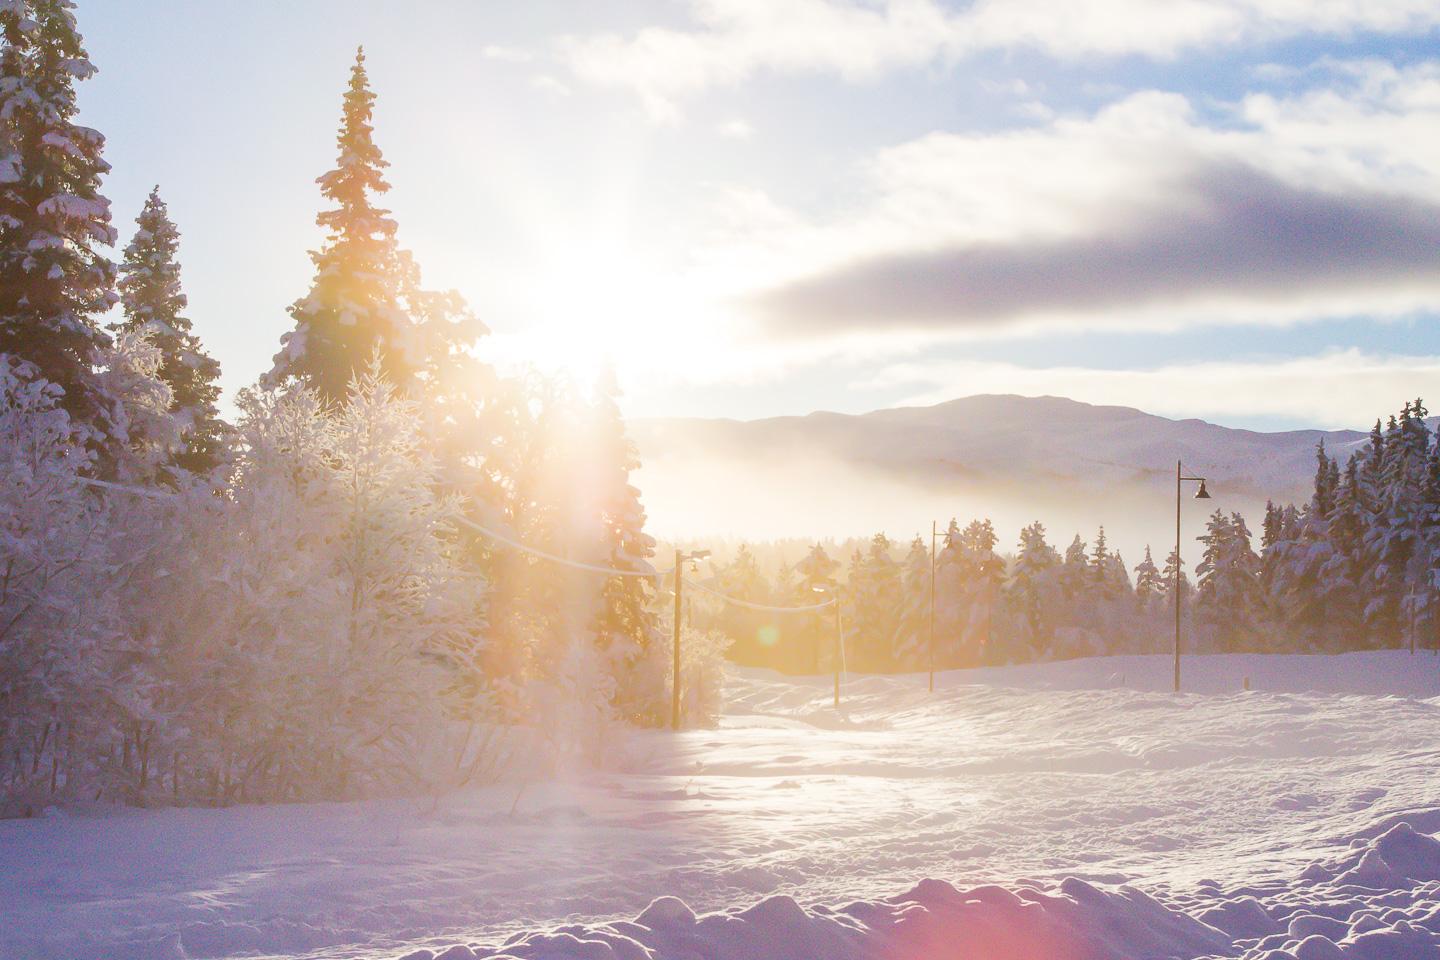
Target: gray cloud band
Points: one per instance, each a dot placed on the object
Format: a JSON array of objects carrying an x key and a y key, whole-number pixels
[{"x": 1234, "y": 233}]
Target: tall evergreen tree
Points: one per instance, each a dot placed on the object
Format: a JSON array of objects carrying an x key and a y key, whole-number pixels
[
  {"x": 1149, "y": 584},
  {"x": 1034, "y": 589},
  {"x": 817, "y": 580},
  {"x": 982, "y": 573},
  {"x": 874, "y": 596},
  {"x": 1229, "y": 601},
  {"x": 626, "y": 627},
  {"x": 55, "y": 282},
  {"x": 1174, "y": 579},
  {"x": 356, "y": 305},
  {"x": 1395, "y": 529},
  {"x": 153, "y": 304},
  {"x": 1339, "y": 580},
  {"x": 912, "y": 635},
  {"x": 1075, "y": 575},
  {"x": 756, "y": 634}
]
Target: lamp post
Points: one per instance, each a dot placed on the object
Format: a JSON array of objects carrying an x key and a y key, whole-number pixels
[
  {"x": 680, "y": 559},
  {"x": 1200, "y": 494}
]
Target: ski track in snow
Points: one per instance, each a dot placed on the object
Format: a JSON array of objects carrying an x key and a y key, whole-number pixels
[{"x": 1070, "y": 810}]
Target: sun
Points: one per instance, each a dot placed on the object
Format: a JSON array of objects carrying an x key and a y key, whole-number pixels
[{"x": 596, "y": 307}]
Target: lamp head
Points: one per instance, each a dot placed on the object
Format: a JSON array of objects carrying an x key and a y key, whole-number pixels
[{"x": 1202, "y": 493}]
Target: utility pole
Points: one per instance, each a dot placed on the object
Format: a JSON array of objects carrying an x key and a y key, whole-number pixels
[
  {"x": 839, "y": 641},
  {"x": 680, "y": 560},
  {"x": 675, "y": 682},
  {"x": 932, "y": 606}
]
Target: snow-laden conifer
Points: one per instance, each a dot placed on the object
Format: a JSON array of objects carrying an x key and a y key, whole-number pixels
[
  {"x": 55, "y": 280},
  {"x": 356, "y": 305},
  {"x": 154, "y": 304}
]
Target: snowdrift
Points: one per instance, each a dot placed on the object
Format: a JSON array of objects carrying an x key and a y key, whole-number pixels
[{"x": 1381, "y": 902}]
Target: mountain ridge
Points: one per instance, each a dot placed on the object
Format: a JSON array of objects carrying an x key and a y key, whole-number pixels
[
  {"x": 1013, "y": 458},
  {"x": 1009, "y": 435}
]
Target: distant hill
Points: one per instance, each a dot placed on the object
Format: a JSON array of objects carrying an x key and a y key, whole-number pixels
[{"x": 1014, "y": 459}]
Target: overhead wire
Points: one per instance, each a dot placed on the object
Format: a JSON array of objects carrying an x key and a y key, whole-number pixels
[{"x": 537, "y": 552}]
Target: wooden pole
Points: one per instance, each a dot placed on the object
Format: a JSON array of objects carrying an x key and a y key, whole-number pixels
[
  {"x": 932, "y": 606},
  {"x": 675, "y": 683},
  {"x": 839, "y": 654},
  {"x": 1177, "y": 576}
]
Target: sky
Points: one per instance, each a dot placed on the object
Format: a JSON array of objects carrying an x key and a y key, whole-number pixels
[{"x": 1227, "y": 209}]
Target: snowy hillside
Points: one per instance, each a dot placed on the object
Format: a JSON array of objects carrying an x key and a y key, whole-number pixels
[
  {"x": 1013, "y": 459},
  {"x": 1065, "y": 810},
  {"x": 995, "y": 437}
]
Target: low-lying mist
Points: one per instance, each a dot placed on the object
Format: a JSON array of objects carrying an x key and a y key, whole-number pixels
[{"x": 809, "y": 495}]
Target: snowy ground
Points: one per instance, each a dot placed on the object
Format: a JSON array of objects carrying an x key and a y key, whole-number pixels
[{"x": 1069, "y": 811}]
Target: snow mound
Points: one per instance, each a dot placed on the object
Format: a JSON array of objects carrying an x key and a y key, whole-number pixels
[
  {"x": 1395, "y": 860},
  {"x": 1379, "y": 901},
  {"x": 934, "y": 919}
]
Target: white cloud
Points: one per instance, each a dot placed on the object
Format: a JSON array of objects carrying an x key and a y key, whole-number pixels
[
  {"x": 1326, "y": 190},
  {"x": 1330, "y": 390},
  {"x": 732, "y": 40}
]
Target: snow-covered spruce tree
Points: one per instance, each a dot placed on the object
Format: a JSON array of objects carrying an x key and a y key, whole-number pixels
[
  {"x": 1149, "y": 585},
  {"x": 356, "y": 303},
  {"x": 982, "y": 572},
  {"x": 154, "y": 305},
  {"x": 1394, "y": 530},
  {"x": 542, "y": 614},
  {"x": 131, "y": 373},
  {"x": 1076, "y": 574},
  {"x": 1299, "y": 565},
  {"x": 951, "y": 607},
  {"x": 1339, "y": 579},
  {"x": 1110, "y": 602},
  {"x": 815, "y": 633},
  {"x": 1176, "y": 582},
  {"x": 55, "y": 283},
  {"x": 1076, "y": 636},
  {"x": 627, "y": 631},
  {"x": 1427, "y": 552},
  {"x": 1034, "y": 593},
  {"x": 754, "y": 634},
  {"x": 1230, "y": 605},
  {"x": 912, "y": 633},
  {"x": 873, "y": 595}
]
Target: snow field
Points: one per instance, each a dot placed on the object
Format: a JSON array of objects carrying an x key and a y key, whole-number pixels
[{"x": 1044, "y": 811}]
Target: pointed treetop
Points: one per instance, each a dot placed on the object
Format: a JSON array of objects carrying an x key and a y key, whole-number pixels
[{"x": 359, "y": 162}]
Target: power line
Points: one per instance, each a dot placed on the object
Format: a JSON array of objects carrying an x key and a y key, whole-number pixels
[
  {"x": 533, "y": 551},
  {"x": 554, "y": 558},
  {"x": 763, "y": 607}
]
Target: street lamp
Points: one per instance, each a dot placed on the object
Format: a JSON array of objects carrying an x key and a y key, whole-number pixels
[
  {"x": 692, "y": 557},
  {"x": 833, "y": 592},
  {"x": 1200, "y": 494}
]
